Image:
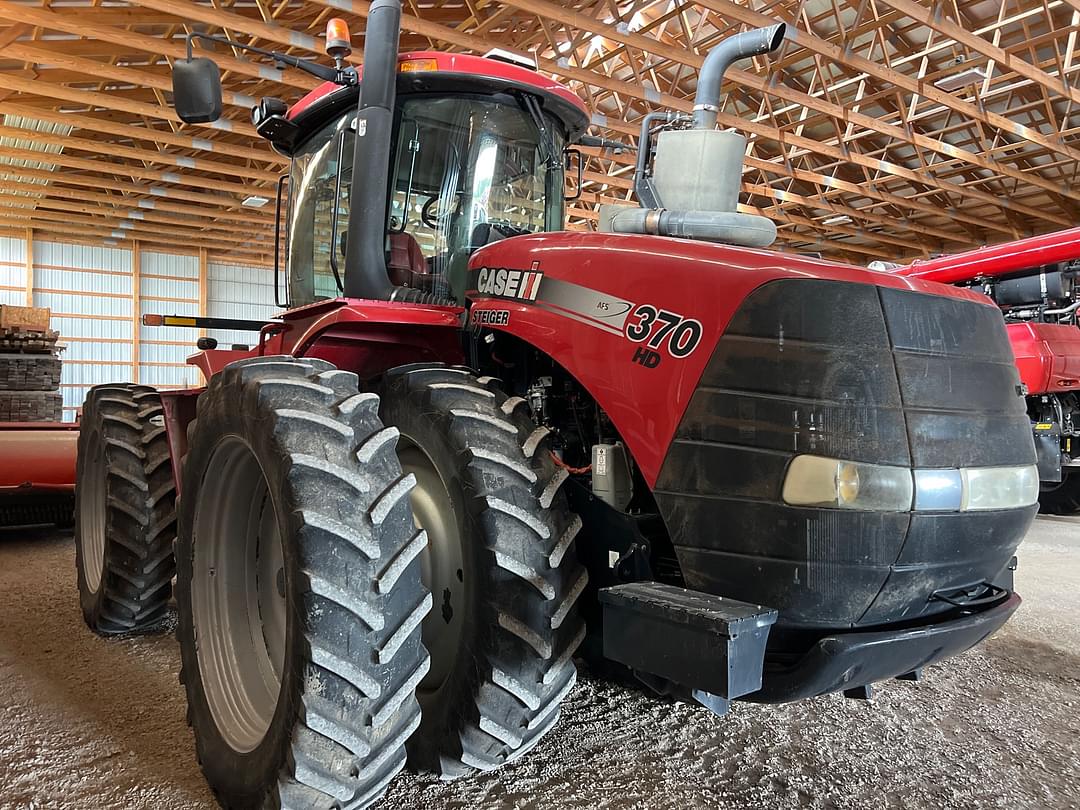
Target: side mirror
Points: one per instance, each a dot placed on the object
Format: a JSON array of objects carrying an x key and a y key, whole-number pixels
[{"x": 197, "y": 90}]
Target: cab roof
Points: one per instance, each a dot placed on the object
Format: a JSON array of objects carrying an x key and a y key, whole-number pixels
[{"x": 469, "y": 71}]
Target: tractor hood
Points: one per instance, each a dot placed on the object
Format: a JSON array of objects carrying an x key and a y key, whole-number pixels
[{"x": 731, "y": 373}]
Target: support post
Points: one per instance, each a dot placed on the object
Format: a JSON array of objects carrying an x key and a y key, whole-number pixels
[
  {"x": 136, "y": 308},
  {"x": 204, "y": 286},
  {"x": 29, "y": 267}
]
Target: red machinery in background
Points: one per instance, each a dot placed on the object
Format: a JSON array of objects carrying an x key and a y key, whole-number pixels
[
  {"x": 1034, "y": 281},
  {"x": 37, "y": 450},
  {"x": 37, "y": 472}
]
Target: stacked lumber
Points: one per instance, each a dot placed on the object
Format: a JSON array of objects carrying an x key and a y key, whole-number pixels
[{"x": 29, "y": 366}]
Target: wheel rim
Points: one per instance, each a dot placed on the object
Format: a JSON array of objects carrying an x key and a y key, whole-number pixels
[
  {"x": 92, "y": 511},
  {"x": 238, "y": 597},
  {"x": 442, "y": 566}
]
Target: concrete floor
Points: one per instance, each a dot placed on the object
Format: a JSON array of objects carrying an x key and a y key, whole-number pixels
[{"x": 88, "y": 723}]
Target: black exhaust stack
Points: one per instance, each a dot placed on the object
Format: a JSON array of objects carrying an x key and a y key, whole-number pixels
[{"x": 365, "y": 259}]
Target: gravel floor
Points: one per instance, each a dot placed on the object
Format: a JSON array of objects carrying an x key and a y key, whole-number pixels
[{"x": 87, "y": 723}]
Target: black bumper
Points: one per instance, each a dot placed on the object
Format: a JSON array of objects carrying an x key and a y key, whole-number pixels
[{"x": 848, "y": 660}]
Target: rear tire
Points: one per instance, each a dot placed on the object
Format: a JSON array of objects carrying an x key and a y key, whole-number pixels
[
  {"x": 125, "y": 519},
  {"x": 1063, "y": 498},
  {"x": 299, "y": 607},
  {"x": 495, "y": 690}
]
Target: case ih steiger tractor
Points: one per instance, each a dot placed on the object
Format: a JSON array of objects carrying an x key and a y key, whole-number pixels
[
  {"x": 475, "y": 446},
  {"x": 1034, "y": 281}
]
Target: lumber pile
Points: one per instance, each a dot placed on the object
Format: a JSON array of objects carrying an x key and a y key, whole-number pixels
[{"x": 29, "y": 366}]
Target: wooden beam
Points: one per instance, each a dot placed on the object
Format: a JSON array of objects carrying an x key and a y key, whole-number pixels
[
  {"x": 145, "y": 156},
  {"x": 72, "y": 23},
  {"x": 204, "y": 286},
  {"x": 144, "y": 133},
  {"x": 136, "y": 309},
  {"x": 936, "y": 20},
  {"x": 29, "y": 268}
]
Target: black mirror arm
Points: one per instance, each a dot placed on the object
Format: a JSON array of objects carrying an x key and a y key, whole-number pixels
[
  {"x": 603, "y": 143},
  {"x": 580, "y": 170},
  {"x": 344, "y": 77}
]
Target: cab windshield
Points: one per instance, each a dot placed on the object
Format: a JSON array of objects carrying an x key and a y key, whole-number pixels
[{"x": 465, "y": 171}]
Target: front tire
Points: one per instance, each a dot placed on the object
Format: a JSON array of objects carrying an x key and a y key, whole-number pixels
[
  {"x": 299, "y": 606},
  {"x": 500, "y": 563},
  {"x": 125, "y": 519}
]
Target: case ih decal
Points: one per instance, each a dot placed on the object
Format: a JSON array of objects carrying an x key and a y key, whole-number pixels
[
  {"x": 507, "y": 283},
  {"x": 659, "y": 329}
]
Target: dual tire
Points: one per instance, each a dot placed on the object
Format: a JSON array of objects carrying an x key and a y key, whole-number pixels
[
  {"x": 305, "y": 580},
  {"x": 125, "y": 519}
]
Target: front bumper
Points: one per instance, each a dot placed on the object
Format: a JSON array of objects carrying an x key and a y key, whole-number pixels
[{"x": 851, "y": 659}]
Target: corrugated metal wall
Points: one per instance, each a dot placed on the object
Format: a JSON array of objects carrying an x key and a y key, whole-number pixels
[
  {"x": 168, "y": 285},
  {"x": 96, "y": 306},
  {"x": 239, "y": 292},
  {"x": 12, "y": 271},
  {"x": 89, "y": 290}
]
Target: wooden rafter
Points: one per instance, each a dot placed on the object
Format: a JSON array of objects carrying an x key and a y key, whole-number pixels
[{"x": 856, "y": 149}]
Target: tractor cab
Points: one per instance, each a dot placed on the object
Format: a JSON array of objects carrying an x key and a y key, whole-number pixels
[{"x": 477, "y": 155}]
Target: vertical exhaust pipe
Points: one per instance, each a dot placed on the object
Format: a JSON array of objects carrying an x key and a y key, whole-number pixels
[
  {"x": 365, "y": 261},
  {"x": 693, "y": 191},
  {"x": 720, "y": 58}
]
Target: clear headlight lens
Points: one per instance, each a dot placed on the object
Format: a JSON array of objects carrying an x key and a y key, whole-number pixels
[
  {"x": 999, "y": 487},
  {"x": 838, "y": 484},
  {"x": 820, "y": 481}
]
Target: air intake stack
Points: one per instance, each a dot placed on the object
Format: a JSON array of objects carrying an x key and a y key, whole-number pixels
[{"x": 693, "y": 188}]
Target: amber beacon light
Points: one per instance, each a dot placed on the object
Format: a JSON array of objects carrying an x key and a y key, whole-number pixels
[{"x": 338, "y": 39}]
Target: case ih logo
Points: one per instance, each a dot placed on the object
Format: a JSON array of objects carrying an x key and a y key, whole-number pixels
[{"x": 507, "y": 283}]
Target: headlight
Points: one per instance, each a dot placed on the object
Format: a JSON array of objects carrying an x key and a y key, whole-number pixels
[
  {"x": 838, "y": 484},
  {"x": 999, "y": 487},
  {"x": 820, "y": 481}
]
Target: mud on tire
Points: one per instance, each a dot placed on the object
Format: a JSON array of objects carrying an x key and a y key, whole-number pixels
[
  {"x": 520, "y": 580},
  {"x": 348, "y": 646},
  {"x": 125, "y": 518}
]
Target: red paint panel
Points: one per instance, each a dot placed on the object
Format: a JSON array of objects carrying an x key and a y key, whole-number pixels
[
  {"x": 38, "y": 455},
  {"x": 366, "y": 337},
  {"x": 460, "y": 63},
  {"x": 214, "y": 360},
  {"x": 695, "y": 280},
  {"x": 1047, "y": 355}
]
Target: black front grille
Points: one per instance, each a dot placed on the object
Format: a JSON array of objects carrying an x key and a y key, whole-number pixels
[{"x": 856, "y": 372}]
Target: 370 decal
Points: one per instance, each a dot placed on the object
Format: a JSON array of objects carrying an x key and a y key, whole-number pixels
[{"x": 661, "y": 329}]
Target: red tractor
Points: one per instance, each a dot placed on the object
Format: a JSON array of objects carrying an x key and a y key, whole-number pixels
[
  {"x": 1035, "y": 283},
  {"x": 475, "y": 446}
]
